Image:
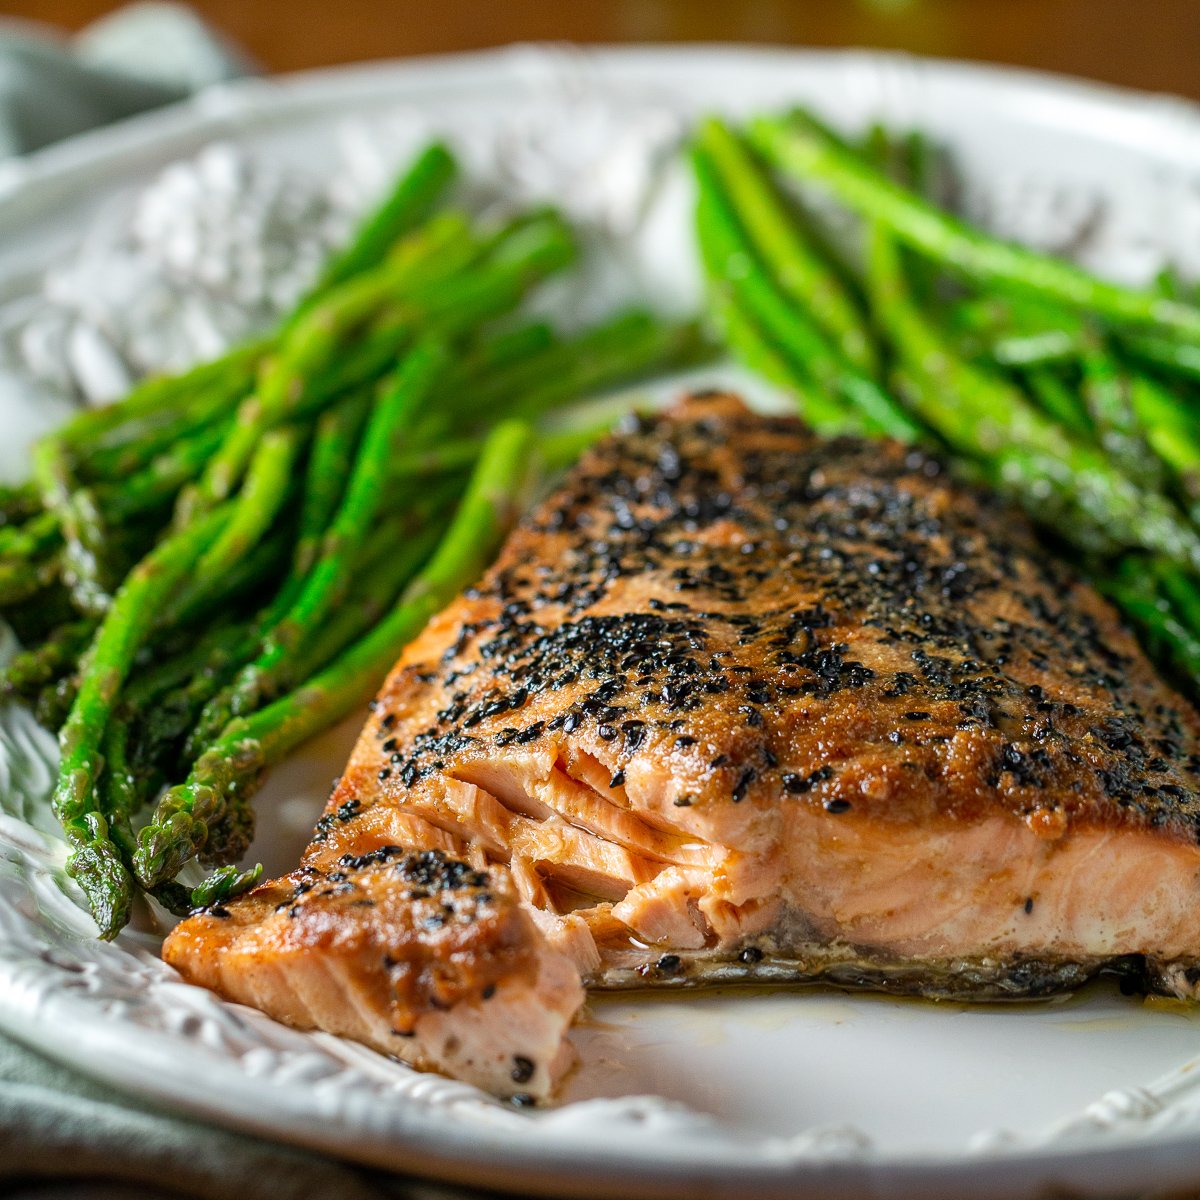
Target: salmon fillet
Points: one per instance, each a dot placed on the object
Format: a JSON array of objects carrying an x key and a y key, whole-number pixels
[{"x": 735, "y": 703}]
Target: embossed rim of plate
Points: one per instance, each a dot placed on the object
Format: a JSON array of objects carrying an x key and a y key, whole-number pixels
[{"x": 427, "y": 1141}]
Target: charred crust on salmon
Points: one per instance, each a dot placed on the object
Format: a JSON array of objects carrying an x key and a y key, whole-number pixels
[{"x": 940, "y": 581}]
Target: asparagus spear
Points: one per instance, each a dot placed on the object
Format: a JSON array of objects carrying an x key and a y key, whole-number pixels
[
  {"x": 447, "y": 302},
  {"x": 155, "y": 678},
  {"x": 120, "y": 421},
  {"x": 185, "y": 710},
  {"x": 1133, "y": 591},
  {"x": 386, "y": 339},
  {"x": 1172, "y": 432},
  {"x": 438, "y": 252},
  {"x": 1106, "y": 390},
  {"x": 80, "y": 523},
  {"x": 94, "y": 862},
  {"x": 1059, "y": 402},
  {"x": 228, "y": 771},
  {"x": 410, "y": 201},
  {"x": 449, "y": 454},
  {"x": 801, "y": 148},
  {"x": 173, "y": 717},
  {"x": 34, "y": 539},
  {"x": 378, "y": 576},
  {"x": 357, "y": 365},
  {"x": 253, "y": 511},
  {"x": 31, "y": 670},
  {"x": 55, "y": 700},
  {"x": 726, "y": 257},
  {"x": 270, "y": 673},
  {"x": 178, "y": 712},
  {"x": 29, "y": 558},
  {"x": 161, "y": 477},
  {"x": 492, "y": 351},
  {"x": 17, "y": 504},
  {"x": 1172, "y": 355},
  {"x": 925, "y": 171},
  {"x": 752, "y": 346},
  {"x": 119, "y": 796},
  {"x": 989, "y": 419},
  {"x": 158, "y": 482},
  {"x": 587, "y": 370},
  {"x": 380, "y": 579},
  {"x": 337, "y": 434},
  {"x": 1180, "y": 590},
  {"x": 131, "y": 448},
  {"x": 1021, "y": 331},
  {"x": 800, "y": 273},
  {"x": 603, "y": 346},
  {"x": 21, "y": 581}
]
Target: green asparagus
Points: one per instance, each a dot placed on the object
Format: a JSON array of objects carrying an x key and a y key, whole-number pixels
[
  {"x": 95, "y": 863},
  {"x": 801, "y": 148}
]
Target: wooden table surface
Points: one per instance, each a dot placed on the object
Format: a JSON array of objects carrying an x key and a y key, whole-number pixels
[{"x": 1149, "y": 44}]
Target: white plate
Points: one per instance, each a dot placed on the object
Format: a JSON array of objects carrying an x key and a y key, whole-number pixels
[{"x": 748, "y": 1094}]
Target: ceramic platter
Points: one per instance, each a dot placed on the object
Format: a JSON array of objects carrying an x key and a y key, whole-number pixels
[{"x": 748, "y": 1094}]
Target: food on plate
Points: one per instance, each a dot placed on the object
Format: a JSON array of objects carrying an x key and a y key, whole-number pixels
[
  {"x": 226, "y": 562},
  {"x": 735, "y": 702},
  {"x": 746, "y": 698}
]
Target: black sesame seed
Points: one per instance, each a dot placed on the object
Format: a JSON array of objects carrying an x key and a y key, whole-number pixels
[{"x": 743, "y": 782}]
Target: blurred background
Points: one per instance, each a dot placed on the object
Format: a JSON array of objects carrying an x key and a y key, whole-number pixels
[{"x": 1141, "y": 43}]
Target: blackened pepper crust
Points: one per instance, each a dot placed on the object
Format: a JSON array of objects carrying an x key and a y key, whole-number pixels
[{"x": 780, "y": 618}]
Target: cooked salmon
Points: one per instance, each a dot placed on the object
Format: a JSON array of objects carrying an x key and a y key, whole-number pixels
[{"x": 735, "y": 703}]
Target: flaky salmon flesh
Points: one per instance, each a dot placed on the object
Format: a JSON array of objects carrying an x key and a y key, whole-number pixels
[{"x": 734, "y": 703}]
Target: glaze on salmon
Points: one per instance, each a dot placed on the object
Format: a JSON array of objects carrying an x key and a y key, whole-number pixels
[{"x": 735, "y": 703}]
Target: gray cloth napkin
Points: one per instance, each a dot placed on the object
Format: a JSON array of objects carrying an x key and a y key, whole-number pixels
[
  {"x": 62, "y": 1135},
  {"x": 56, "y": 1125},
  {"x": 138, "y": 58}
]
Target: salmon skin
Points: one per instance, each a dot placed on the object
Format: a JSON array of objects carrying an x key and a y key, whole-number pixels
[{"x": 735, "y": 703}]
